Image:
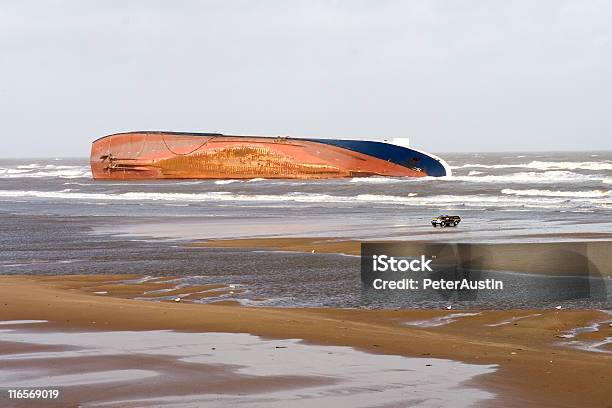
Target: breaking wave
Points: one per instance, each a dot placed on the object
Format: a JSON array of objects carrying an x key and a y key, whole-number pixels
[
  {"x": 222, "y": 182},
  {"x": 475, "y": 176},
  {"x": 550, "y": 193},
  {"x": 552, "y": 176},
  {"x": 35, "y": 170},
  {"x": 376, "y": 180},
  {"x": 545, "y": 165},
  {"x": 509, "y": 199},
  {"x": 209, "y": 196}
]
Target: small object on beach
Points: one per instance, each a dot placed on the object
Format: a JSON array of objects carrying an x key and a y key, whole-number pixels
[
  {"x": 178, "y": 299},
  {"x": 449, "y": 307},
  {"x": 427, "y": 365},
  {"x": 558, "y": 307},
  {"x": 280, "y": 347},
  {"x": 313, "y": 251},
  {"x": 446, "y": 221},
  {"x": 513, "y": 352},
  {"x": 232, "y": 286},
  {"x": 231, "y": 292}
]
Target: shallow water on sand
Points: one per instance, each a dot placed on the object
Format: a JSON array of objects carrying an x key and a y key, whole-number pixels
[{"x": 175, "y": 369}]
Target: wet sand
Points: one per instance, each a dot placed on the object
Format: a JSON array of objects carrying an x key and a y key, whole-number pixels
[
  {"x": 538, "y": 365},
  {"x": 187, "y": 369},
  {"x": 574, "y": 258}
]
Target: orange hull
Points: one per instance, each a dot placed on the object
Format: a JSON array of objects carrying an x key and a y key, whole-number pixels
[{"x": 166, "y": 155}]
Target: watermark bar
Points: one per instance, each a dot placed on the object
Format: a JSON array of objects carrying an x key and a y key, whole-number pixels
[{"x": 409, "y": 272}]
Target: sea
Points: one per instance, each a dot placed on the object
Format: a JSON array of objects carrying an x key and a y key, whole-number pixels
[{"x": 55, "y": 219}]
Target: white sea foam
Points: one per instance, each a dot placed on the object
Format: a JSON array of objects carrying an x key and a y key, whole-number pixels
[
  {"x": 208, "y": 196},
  {"x": 556, "y": 176},
  {"x": 376, "y": 180},
  {"x": 13, "y": 322},
  {"x": 29, "y": 166},
  {"x": 551, "y": 193},
  {"x": 62, "y": 167},
  {"x": 50, "y": 170},
  {"x": 475, "y": 176},
  {"x": 223, "y": 182},
  {"x": 545, "y": 165},
  {"x": 410, "y": 199}
]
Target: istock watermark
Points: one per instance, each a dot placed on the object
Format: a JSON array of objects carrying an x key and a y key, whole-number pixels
[
  {"x": 384, "y": 263},
  {"x": 393, "y": 273},
  {"x": 416, "y": 274}
]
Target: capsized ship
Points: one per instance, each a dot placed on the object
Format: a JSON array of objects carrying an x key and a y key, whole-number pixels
[{"x": 178, "y": 155}]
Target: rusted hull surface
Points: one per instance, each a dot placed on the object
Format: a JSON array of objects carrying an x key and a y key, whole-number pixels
[{"x": 145, "y": 155}]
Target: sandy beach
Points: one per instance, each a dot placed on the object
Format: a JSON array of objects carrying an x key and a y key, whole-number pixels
[
  {"x": 248, "y": 293},
  {"x": 537, "y": 362}
]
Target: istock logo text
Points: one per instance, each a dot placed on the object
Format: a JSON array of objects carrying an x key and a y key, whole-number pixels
[{"x": 384, "y": 263}]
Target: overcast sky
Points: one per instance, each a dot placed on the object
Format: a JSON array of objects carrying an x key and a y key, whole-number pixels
[{"x": 452, "y": 76}]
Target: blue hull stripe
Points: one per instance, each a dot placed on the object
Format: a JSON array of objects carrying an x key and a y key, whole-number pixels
[{"x": 395, "y": 154}]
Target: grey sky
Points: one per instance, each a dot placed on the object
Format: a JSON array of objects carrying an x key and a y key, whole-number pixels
[{"x": 452, "y": 76}]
